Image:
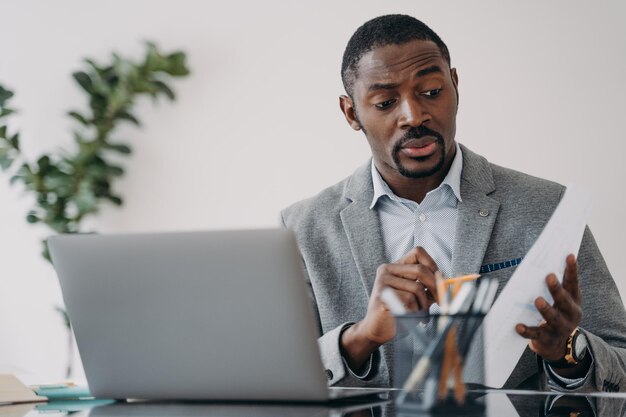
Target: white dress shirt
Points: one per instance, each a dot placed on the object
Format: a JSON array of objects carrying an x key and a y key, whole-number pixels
[{"x": 431, "y": 224}]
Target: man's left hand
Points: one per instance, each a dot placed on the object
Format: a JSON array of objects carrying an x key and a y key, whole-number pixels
[{"x": 549, "y": 339}]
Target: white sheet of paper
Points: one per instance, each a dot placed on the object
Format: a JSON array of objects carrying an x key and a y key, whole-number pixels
[
  {"x": 561, "y": 236},
  {"x": 12, "y": 391}
]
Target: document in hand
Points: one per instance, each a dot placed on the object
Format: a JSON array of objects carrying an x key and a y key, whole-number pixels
[{"x": 561, "y": 236}]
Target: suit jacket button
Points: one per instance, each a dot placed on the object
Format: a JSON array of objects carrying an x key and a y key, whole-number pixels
[
  {"x": 483, "y": 212},
  {"x": 329, "y": 374}
]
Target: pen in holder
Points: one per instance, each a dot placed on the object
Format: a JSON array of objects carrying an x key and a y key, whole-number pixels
[
  {"x": 432, "y": 360},
  {"x": 435, "y": 355}
]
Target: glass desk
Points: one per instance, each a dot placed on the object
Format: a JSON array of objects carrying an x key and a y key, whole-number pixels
[{"x": 498, "y": 404}]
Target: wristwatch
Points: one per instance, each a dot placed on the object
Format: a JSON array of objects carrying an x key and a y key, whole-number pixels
[{"x": 576, "y": 350}]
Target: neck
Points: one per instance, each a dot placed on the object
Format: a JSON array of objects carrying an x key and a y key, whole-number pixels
[{"x": 415, "y": 189}]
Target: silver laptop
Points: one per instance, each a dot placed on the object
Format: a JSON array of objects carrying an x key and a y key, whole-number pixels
[{"x": 221, "y": 315}]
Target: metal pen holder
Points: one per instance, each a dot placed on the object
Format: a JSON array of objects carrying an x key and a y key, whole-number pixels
[{"x": 435, "y": 355}]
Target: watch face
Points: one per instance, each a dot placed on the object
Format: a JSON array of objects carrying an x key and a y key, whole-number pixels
[{"x": 580, "y": 346}]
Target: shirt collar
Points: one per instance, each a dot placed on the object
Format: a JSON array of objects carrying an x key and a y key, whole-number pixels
[{"x": 452, "y": 180}]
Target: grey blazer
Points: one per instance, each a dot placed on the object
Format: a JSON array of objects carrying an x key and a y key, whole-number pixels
[{"x": 341, "y": 245}]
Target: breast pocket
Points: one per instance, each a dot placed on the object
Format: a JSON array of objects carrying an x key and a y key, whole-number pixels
[{"x": 502, "y": 271}]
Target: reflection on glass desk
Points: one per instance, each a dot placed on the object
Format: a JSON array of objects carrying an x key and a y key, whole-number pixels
[{"x": 498, "y": 404}]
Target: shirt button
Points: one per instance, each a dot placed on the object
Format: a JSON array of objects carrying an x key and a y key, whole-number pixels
[
  {"x": 422, "y": 217},
  {"x": 329, "y": 374}
]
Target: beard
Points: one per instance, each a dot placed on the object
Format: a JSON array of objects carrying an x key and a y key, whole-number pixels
[{"x": 417, "y": 133}]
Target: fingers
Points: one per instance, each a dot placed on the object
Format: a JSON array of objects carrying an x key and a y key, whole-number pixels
[
  {"x": 410, "y": 272},
  {"x": 559, "y": 319},
  {"x": 527, "y": 332},
  {"x": 412, "y": 277},
  {"x": 538, "y": 339},
  {"x": 538, "y": 335},
  {"x": 551, "y": 316},
  {"x": 554, "y": 321},
  {"x": 412, "y": 294},
  {"x": 399, "y": 283},
  {"x": 543, "y": 341},
  {"x": 423, "y": 299},
  {"x": 563, "y": 300},
  {"x": 419, "y": 255},
  {"x": 408, "y": 300},
  {"x": 404, "y": 280},
  {"x": 570, "y": 278}
]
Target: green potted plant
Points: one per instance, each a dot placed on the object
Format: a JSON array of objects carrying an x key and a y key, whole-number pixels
[{"x": 70, "y": 184}]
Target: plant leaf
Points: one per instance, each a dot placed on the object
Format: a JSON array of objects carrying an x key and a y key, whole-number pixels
[
  {"x": 162, "y": 87},
  {"x": 15, "y": 141},
  {"x": 115, "y": 170},
  {"x": 124, "y": 115},
  {"x": 177, "y": 67},
  {"x": 78, "y": 117},
  {"x": 14, "y": 179},
  {"x": 6, "y": 112},
  {"x": 63, "y": 312},
  {"x": 32, "y": 217},
  {"x": 86, "y": 202},
  {"x": 119, "y": 147},
  {"x": 45, "y": 253},
  {"x": 115, "y": 200},
  {"x": 5, "y": 161},
  {"x": 84, "y": 81},
  {"x": 43, "y": 163},
  {"x": 4, "y": 95}
]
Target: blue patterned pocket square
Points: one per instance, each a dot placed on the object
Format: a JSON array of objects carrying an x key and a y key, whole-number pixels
[{"x": 500, "y": 265}]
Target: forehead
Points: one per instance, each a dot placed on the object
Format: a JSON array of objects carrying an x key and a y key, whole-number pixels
[{"x": 390, "y": 61}]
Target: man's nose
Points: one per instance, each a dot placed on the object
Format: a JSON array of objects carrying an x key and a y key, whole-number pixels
[{"x": 412, "y": 114}]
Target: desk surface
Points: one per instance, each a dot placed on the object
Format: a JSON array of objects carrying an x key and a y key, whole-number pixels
[{"x": 498, "y": 404}]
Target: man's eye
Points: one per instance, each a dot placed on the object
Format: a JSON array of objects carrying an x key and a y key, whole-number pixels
[
  {"x": 385, "y": 104},
  {"x": 432, "y": 93}
]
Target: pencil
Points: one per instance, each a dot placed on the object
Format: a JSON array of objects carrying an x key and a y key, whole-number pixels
[
  {"x": 463, "y": 278},
  {"x": 459, "y": 386},
  {"x": 447, "y": 364}
]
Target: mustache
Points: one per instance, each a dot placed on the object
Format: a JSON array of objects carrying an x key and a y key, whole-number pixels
[{"x": 417, "y": 132}]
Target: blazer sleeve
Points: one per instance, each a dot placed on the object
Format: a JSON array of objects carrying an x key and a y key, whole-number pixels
[
  {"x": 604, "y": 320},
  {"x": 335, "y": 367}
]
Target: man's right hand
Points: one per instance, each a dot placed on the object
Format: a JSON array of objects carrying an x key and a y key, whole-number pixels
[{"x": 413, "y": 280}]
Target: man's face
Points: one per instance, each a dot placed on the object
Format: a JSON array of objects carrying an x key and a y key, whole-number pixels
[{"x": 405, "y": 101}]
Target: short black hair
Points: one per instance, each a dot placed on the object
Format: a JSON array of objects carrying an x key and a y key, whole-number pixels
[{"x": 391, "y": 29}]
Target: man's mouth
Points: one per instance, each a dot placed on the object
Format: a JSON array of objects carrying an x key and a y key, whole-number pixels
[{"x": 419, "y": 147}]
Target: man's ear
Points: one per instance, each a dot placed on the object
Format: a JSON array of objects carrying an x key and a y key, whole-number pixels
[
  {"x": 347, "y": 108},
  {"x": 455, "y": 82}
]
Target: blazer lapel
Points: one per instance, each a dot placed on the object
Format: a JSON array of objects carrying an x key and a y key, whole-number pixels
[
  {"x": 362, "y": 227},
  {"x": 476, "y": 216}
]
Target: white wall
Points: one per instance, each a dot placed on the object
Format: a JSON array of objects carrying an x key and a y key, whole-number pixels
[{"x": 257, "y": 125}]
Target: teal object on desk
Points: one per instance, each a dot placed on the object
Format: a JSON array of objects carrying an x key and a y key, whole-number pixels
[
  {"x": 71, "y": 406},
  {"x": 66, "y": 392}
]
